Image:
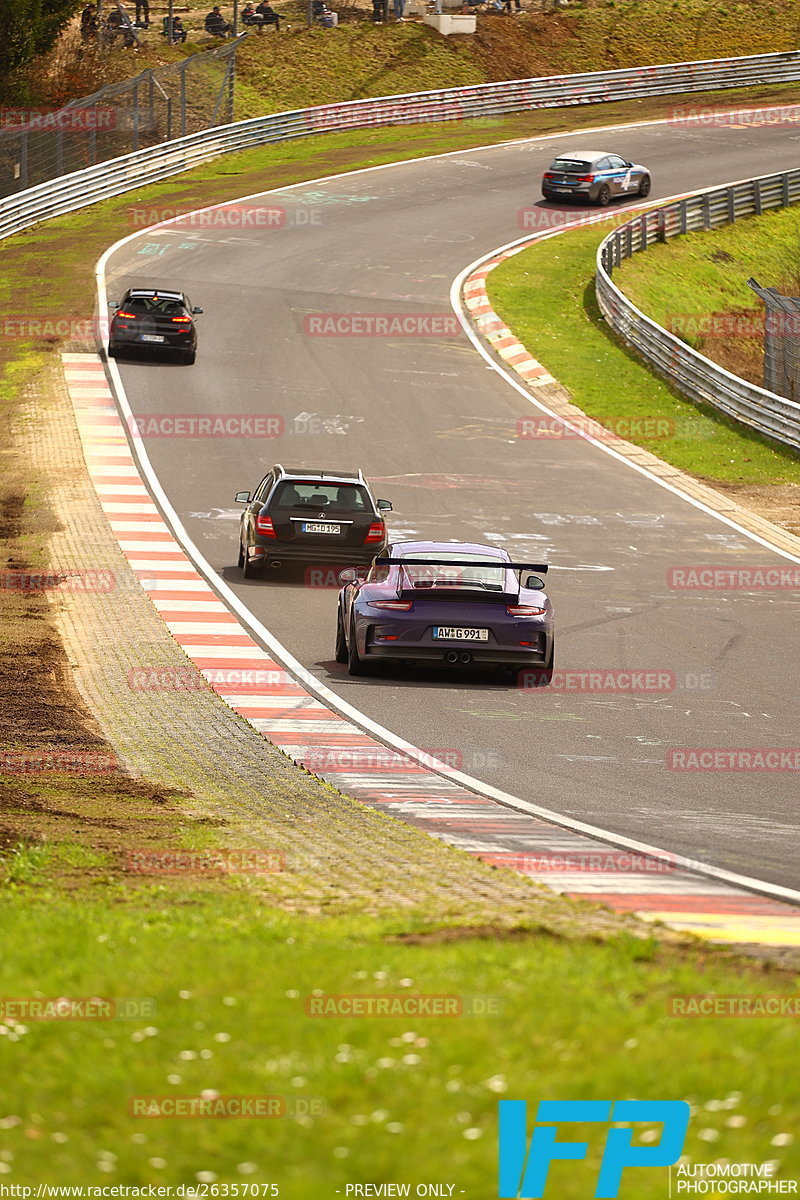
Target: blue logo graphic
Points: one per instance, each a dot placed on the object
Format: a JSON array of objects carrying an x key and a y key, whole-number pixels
[{"x": 523, "y": 1171}]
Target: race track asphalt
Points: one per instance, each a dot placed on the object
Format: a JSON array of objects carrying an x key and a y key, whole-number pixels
[{"x": 434, "y": 429}]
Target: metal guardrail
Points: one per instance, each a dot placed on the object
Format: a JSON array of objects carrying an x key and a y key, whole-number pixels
[
  {"x": 154, "y": 163},
  {"x": 692, "y": 373}
]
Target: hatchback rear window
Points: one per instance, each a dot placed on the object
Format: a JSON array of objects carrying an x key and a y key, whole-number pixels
[
  {"x": 336, "y": 497},
  {"x": 570, "y": 166},
  {"x": 156, "y": 305}
]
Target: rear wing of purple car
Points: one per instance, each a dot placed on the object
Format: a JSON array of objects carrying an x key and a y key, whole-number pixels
[
  {"x": 382, "y": 560},
  {"x": 449, "y": 589}
]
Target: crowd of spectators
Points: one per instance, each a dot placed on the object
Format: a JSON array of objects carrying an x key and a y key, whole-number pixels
[{"x": 116, "y": 23}]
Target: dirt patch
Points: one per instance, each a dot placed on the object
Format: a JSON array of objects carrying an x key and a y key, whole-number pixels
[{"x": 779, "y": 503}]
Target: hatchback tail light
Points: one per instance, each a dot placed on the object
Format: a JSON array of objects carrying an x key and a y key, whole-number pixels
[
  {"x": 376, "y": 532},
  {"x": 524, "y": 610},
  {"x": 130, "y": 316},
  {"x": 397, "y": 605},
  {"x": 265, "y": 527},
  {"x": 585, "y": 179},
  {"x": 182, "y": 320}
]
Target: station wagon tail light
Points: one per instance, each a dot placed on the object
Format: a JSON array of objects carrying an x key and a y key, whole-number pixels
[
  {"x": 182, "y": 320},
  {"x": 265, "y": 527},
  {"x": 524, "y": 610},
  {"x": 377, "y": 532},
  {"x": 397, "y": 605}
]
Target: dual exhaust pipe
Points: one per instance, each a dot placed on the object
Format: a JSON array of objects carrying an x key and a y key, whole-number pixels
[{"x": 453, "y": 656}]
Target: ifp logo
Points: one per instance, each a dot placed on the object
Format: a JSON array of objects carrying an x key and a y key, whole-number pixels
[{"x": 524, "y": 1170}]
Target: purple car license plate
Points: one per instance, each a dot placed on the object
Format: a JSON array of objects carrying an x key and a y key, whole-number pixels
[{"x": 453, "y": 633}]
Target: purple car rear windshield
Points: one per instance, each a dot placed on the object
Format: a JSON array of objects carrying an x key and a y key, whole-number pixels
[{"x": 488, "y": 577}]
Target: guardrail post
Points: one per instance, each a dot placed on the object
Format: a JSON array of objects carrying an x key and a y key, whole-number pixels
[
  {"x": 706, "y": 211},
  {"x": 684, "y": 216},
  {"x": 731, "y": 200},
  {"x": 757, "y": 206},
  {"x": 183, "y": 101},
  {"x": 135, "y": 117},
  {"x": 628, "y": 240},
  {"x": 785, "y": 201},
  {"x": 23, "y": 160},
  {"x": 661, "y": 229},
  {"x": 151, "y": 102}
]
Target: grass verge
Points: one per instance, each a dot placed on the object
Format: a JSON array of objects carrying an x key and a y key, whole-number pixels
[
  {"x": 701, "y": 275},
  {"x": 218, "y": 991},
  {"x": 546, "y": 295}
]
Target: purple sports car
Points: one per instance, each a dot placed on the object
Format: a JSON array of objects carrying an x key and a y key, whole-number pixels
[{"x": 445, "y": 603}]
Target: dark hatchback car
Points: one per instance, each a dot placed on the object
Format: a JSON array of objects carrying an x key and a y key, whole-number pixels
[
  {"x": 445, "y": 604},
  {"x": 301, "y": 516},
  {"x": 151, "y": 319},
  {"x": 594, "y": 175}
]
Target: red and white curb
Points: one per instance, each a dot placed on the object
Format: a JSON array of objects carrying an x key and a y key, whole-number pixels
[
  {"x": 499, "y": 336},
  {"x": 259, "y": 688}
]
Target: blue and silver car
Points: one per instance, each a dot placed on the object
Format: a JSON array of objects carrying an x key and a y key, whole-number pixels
[
  {"x": 594, "y": 175},
  {"x": 455, "y": 604}
]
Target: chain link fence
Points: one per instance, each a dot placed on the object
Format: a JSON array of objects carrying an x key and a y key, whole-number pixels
[
  {"x": 781, "y": 341},
  {"x": 157, "y": 106}
]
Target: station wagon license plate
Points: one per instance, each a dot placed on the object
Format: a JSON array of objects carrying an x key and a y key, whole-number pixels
[
  {"x": 313, "y": 527},
  {"x": 452, "y": 633},
  {"x": 152, "y": 337}
]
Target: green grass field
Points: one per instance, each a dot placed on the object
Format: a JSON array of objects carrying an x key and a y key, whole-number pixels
[
  {"x": 222, "y": 984},
  {"x": 546, "y": 295}
]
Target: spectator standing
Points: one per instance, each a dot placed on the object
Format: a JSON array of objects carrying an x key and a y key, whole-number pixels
[
  {"x": 399, "y": 9},
  {"x": 89, "y": 22},
  {"x": 377, "y": 10},
  {"x": 216, "y": 23},
  {"x": 143, "y": 13}
]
